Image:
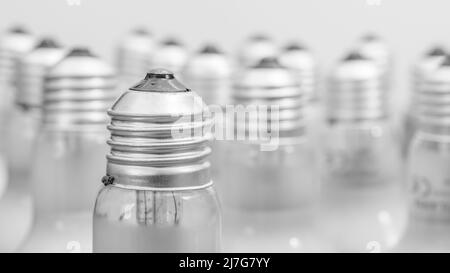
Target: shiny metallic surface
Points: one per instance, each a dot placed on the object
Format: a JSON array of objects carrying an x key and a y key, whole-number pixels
[
  {"x": 209, "y": 73},
  {"x": 153, "y": 111},
  {"x": 158, "y": 171}
]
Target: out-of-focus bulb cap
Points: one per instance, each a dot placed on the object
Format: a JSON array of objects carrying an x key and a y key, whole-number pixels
[
  {"x": 354, "y": 56},
  {"x": 210, "y": 49},
  {"x": 48, "y": 43},
  {"x": 142, "y": 31},
  {"x": 18, "y": 30},
  {"x": 160, "y": 80},
  {"x": 436, "y": 51},
  {"x": 171, "y": 42},
  {"x": 294, "y": 47},
  {"x": 446, "y": 61},
  {"x": 80, "y": 52},
  {"x": 269, "y": 62},
  {"x": 259, "y": 37},
  {"x": 370, "y": 37}
]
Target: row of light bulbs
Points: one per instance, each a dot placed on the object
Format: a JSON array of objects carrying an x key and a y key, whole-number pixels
[{"x": 336, "y": 180}]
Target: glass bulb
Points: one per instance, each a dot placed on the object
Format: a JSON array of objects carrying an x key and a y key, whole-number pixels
[
  {"x": 269, "y": 193},
  {"x": 158, "y": 194},
  {"x": 361, "y": 165},
  {"x": 22, "y": 129},
  {"x": 170, "y": 54},
  {"x": 428, "y": 228},
  {"x": 70, "y": 153}
]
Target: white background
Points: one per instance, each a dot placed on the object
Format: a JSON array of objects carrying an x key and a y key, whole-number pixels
[{"x": 326, "y": 26}]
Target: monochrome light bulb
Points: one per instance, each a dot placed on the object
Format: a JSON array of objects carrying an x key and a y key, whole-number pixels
[
  {"x": 428, "y": 227},
  {"x": 269, "y": 188},
  {"x": 134, "y": 55},
  {"x": 70, "y": 152},
  {"x": 425, "y": 66},
  {"x": 158, "y": 194},
  {"x": 361, "y": 166},
  {"x": 256, "y": 48},
  {"x": 22, "y": 129}
]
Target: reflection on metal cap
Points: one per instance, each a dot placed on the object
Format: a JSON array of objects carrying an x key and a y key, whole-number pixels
[{"x": 159, "y": 135}]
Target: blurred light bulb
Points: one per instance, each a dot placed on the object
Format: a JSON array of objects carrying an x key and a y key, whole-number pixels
[
  {"x": 301, "y": 61},
  {"x": 374, "y": 48},
  {"x": 428, "y": 228},
  {"x": 21, "y": 134},
  {"x": 26, "y": 117},
  {"x": 70, "y": 152},
  {"x": 170, "y": 54},
  {"x": 361, "y": 170},
  {"x": 134, "y": 55},
  {"x": 426, "y": 65},
  {"x": 208, "y": 73},
  {"x": 255, "y": 49},
  {"x": 269, "y": 188},
  {"x": 158, "y": 194},
  {"x": 13, "y": 44}
]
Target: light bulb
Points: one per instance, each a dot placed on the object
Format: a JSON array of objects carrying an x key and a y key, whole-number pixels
[
  {"x": 428, "y": 228},
  {"x": 269, "y": 190},
  {"x": 361, "y": 165},
  {"x": 158, "y": 194},
  {"x": 70, "y": 152},
  {"x": 21, "y": 134},
  {"x": 26, "y": 118},
  {"x": 374, "y": 48},
  {"x": 256, "y": 48},
  {"x": 16, "y": 42},
  {"x": 134, "y": 55},
  {"x": 209, "y": 73},
  {"x": 170, "y": 54},
  {"x": 13, "y": 44},
  {"x": 303, "y": 64},
  {"x": 424, "y": 66}
]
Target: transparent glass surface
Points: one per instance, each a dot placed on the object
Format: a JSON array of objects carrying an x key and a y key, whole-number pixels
[
  {"x": 15, "y": 162},
  {"x": 128, "y": 220},
  {"x": 21, "y": 141},
  {"x": 66, "y": 169},
  {"x": 269, "y": 198},
  {"x": 428, "y": 227},
  {"x": 361, "y": 187}
]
